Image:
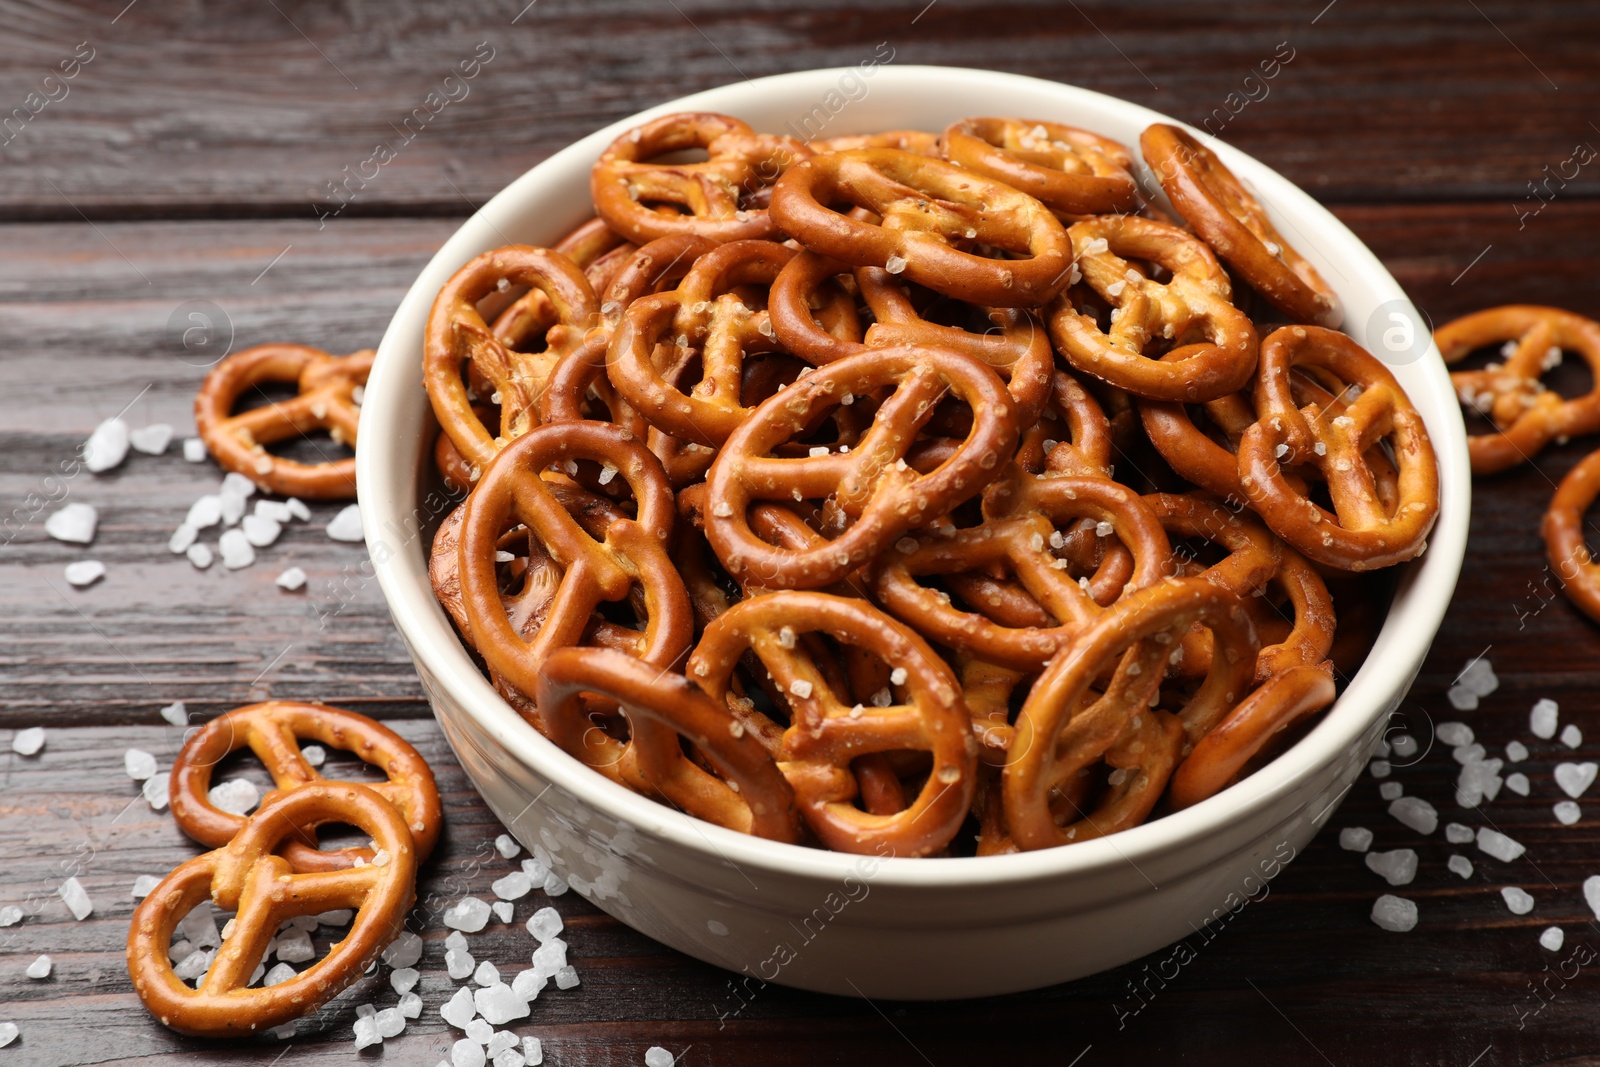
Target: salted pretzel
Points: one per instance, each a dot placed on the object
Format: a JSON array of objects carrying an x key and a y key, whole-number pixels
[
  {"x": 871, "y": 494},
  {"x": 703, "y": 316},
  {"x": 326, "y": 401},
  {"x": 1209, "y": 345},
  {"x": 1526, "y": 415},
  {"x": 1564, "y": 540},
  {"x": 457, "y": 335},
  {"x": 263, "y": 890},
  {"x": 1232, "y": 221},
  {"x": 751, "y": 795},
  {"x": 916, "y": 142},
  {"x": 1255, "y": 560},
  {"x": 644, "y": 200},
  {"x": 826, "y": 735},
  {"x": 632, "y": 552},
  {"x": 1071, "y": 171},
  {"x": 273, "y": 731},
  {"x": 1280, "y": 701},
  {"x": 1024, "y": 517},
  {"x": 1367, "y": 529},
  {"x": 931, "y": 213},
  {"x": 1066, "y": 726},
  {"x": 594, "y": 248}
]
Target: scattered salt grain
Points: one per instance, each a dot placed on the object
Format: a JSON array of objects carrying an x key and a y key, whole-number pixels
[
  {"x": 1516, "y": 751},
  {"x": 346, "y": 526},
  {"x": 544, "y": 924},
  {"x": 1397, "y": 867},
  {"x": 237, "y": 796},
  {"x": 10, "y": 915},
  {"x": 499, "y": 1004},
  {"x": 175, "y": 713},
  {"x": 1571, "y": 736},
  {"x": 200, "y": 556},
  {"x": 205, "y": 512},
  {"x": 1567, "y": 813},
  {"x": 85, "y": 572},
  {"x": 1380, "y": 768},
  {"x": 1454, "y": 734},
  {"x": 280, "y": 973},
  {"x": 1416, "y": 813},
  {"x": 509, "y": 1058},
  {"x": 502, "y": 1040},
  {"x": 1404, "y": 745},
  {"x": 336, "y": 917},
  {"x": 1517, "y": 900},
  {"x": 1498, "y": 845},
  {"x": 366, "y": 1030},
  {"x": 315, "y": 755},
  {"x": 194, "y": 450},
  {"x": 260, "y": 530},
  {"x": 193, "y": 965},
  {"x": 39, "y": 968},
  {"x": 295, "y": 947},
  {"x": 144, "y": 885},
  {"x": 139, "y": 764},
  {"x": 555, "y": 885},
  {"x": 157, "y": 790},
  {"x": 1391, "y": 790},
  {"x": 527, "y": 983},
  {"x": 468, "y": 915},
  {"x": 1395, "y": 914},
  {"x": 1355, "y": 839},
  {"x": 292, "y": 579},
  {"x": 1459, "y": 864},
  {"x": 1575, "y": 778},
  {"x": 106, "y": 447},
  {"x": 298, "y": 509},
  {"x": 487, "y": 974},
  {"x": 28, "y": 742},
  {"x": 1517, "y": 783},
  {"x": 152, "y": 440},
  {"x": 1552, "y": 938},
  {"x": 1478, "y": 676},
  {"x": 458, "y": 963},
  {"x": 403, "y": 979},
  {"x": 402, "y": 952},
  {"x": 467, "y": 1053},
  {"x": 656, "y": 1056},
  {"x": 8, "y": 1033},
  {"x": 410, "y": 1005},
  {"x": 480, "y": 1031},
  {"x": 73, "y": 524},
  {"x": 182, "y": 538},
  {"x": 567, "y": 978},
  {"x": 1542, "y": 719},
  {"x": 532, "y": 1051},
  {"x": 894, "y": 264},
  {"x": 507, "y": 846},
  {"x": 1461, "y": 698},
  {"x": 503, "y": 910},
  {"x": 513, "y": 886},
  {"x": 459, "y": 1010},
  {"x": 550, "y": 956},
  {"x": 232, "y": 507},
  {"x": 236, "y": 550},
  {"x": 76, "y": 899},
  {"x": 390, "y": 1022},
  {"x": 1467, "y": 753}
]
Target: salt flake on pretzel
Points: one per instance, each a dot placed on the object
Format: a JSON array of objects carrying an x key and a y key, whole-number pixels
[
  {"x": 871, "y": 494},
  {"x": 931, "y": 213},
  {"x": 326, "y": 401}
]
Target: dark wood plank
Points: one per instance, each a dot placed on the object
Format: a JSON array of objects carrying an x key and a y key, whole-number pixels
[{"x": 187, "y": 111}]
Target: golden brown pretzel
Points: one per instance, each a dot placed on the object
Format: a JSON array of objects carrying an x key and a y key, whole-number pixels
[
  {"x": 595, "y": 249},
  {"x": 711, "y": 199},
  {"x": 1072, "y": 171},
  {"x": 929, "y": 209},
  {"x": 751, "y": 795},
  {"x": 1024, "y": 519},
  {"x": 1213, "y": 344},
  {"x": 1365, "y": 530},
  {"x": 1219, "y": 756},
  {"x": 1065, "y": 727},
  {"x": 263, "y": 890},
  {"x": 326, "y": 401},
  {"x": 703, "y": 316},
  {"x": 1229, "y": 219},
  {"x": 826, "y": 735},
  {"x": 871, "y": 495},
  {"x": 632, "y": 552},
  {"x": 457, "y": 336},
  {"x": 1564, "y": 539},
  {"x": 273, "y": 731},
  {"x": 914, "y": 141},
  {"x": 1527, "y": 416}
]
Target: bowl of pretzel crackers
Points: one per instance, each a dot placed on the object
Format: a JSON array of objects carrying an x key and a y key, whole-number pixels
[{"x": 979, "y": 523}]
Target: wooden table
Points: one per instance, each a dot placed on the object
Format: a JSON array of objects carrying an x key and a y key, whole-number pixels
[{"x": 183, "y": 181}]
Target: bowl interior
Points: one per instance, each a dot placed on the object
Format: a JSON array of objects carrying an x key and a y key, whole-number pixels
[{"x": 399, "y": 509}]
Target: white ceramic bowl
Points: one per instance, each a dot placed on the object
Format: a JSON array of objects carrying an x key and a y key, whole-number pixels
[{"x": 898, "y": 928}]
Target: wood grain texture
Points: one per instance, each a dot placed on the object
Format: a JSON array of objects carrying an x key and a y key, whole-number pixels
[
  {"x": 197, "y": 140},
  {"x": 252, "y": 109}
]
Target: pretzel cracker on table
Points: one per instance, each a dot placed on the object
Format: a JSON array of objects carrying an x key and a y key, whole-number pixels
[{"x": 912, "y": 492}]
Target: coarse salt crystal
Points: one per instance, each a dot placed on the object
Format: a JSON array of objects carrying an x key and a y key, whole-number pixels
[
  {"x": 498, "y": 1003},
  {"x": 205, "y": 512},
  {"x": 1416, "y": 813},
  {"x": 200, "y": 556},
  {"x": 8, "y": 1033},
  {"x": 1517, "y": 783},
  {"x": 487, "y": 974},
  {"x": 182, "y": 538},
  {"x": 76, "y": 898},
  {"x": 29, "y": 741},
  {"x": 467, "y": 1053},
  {"x": 157, "y": 790},
  {"x": 194, "y": 450},
  {"x": 567, "y": 978},
  {"x": 1478, "y": 676},
  {"x": 898, "y": 676},
  {"x": 503, "y": 910},
  {"x": 84, "y": 572},
  {"x": 1575, "y": 778},
  {"x": 480, "y": 1031},
  {"x": 291, "y": 580},
  {"x": 295, "y": 947},
  {"x": 73, "y": 524},
  {"x": 458, "y": 963},
  {"x": 237, "y": 796},
  {"x": 235, "y": 549},
  {"x": 1395, "y": 914},
  {"x": 1355, "y": 839},
  {"x": 1517, "y": 900},
  {"x": 10, "y": 915},
  {"x": 1467, "y": 753},
  {"x": 1552, "y": 938},
  {"x": 346, "y": 526},
  {"x": 532, "y": 1051},
  {"x": 260, "y": 530},
  {"x": 469, "y": 915},
  {"x": 656, "y": 1056},
  {"x": 39, "y": 968},
  {"x": 1567, "y": 812},
  {"x": 366, "y": 1031},
  {"x": 1461, "y": 698},
  {"x": 1459, "y": 864},
  {"x": 544, "y": 924},
  {"x": 1454, "y": 734},
  {"x": 1571, "y": 736},
  {"x": 1380, "y": 768},
  {"x": 410, "y": 1005},
  {"x": 1397, "y": 867},
  {"x": 106, "y": 447},
  {"x": 1516, "y": 751},
  {"x": 894, "y": 264},
  {"x": 176, "y": 714},
  {"x": 1542, "y": 719},
  {"x": 800, "y": 688},
  {"x": 555, "y": 885},
  {"x": 139, "y": 764},
  {"x": 143, "y": 885},
  {"x": 404, "y": 979},
  {"x": 507, "y": 846},
  {"x": 152, "y": 440},
  {"x": 513, "y": 886},
  {"x": 1391, "y": 790},
  {"x": 459, "y": 1010},
  {"x": 1498, "y": 845}
]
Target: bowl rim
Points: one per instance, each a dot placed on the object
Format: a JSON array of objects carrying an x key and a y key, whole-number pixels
[{"x": 1418, "y": 608}]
